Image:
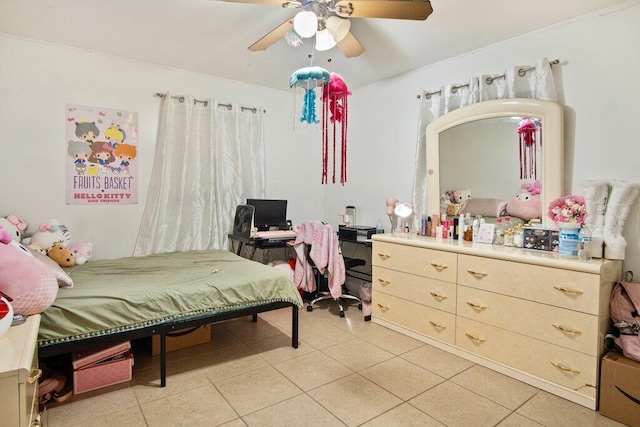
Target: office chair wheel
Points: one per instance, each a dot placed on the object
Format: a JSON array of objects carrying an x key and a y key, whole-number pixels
[
  {"x": 309, "y": 308},
  {"x": 342, "y": 314}
]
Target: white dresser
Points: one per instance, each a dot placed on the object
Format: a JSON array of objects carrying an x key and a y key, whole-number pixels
[
  {"x": 531, "y": 315},
  {"x": 19, "y": 374}
]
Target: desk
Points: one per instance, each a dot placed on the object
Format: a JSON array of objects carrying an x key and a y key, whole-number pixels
[{"x": 258, "y": 243}]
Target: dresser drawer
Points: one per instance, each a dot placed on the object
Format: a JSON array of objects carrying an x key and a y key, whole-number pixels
[
  {"x": 422, "y": 290},
  {"x": 562, "y": 288},
  {"x": 562, "y": 366},
  {"x": 414, "y": 260},
  {"x": 415, "y": 317},
  {"x": 566, "y": 328}
]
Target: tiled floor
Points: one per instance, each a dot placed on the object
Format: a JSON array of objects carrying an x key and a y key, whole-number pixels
[{"x": 345, "y": 372}]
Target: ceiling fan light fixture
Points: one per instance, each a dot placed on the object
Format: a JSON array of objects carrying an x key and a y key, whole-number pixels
[
  {"x": 324, "y": 40},
  {"x": 338, "y": 27},
  {"x": 305, "y": 23}
]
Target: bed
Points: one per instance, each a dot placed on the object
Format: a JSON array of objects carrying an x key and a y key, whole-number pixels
[{"x": 128, "y": 298}]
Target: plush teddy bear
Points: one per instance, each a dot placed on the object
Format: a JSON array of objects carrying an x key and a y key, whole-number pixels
[
  {"x": 527, "y": 203},
  {"x": 49, "y": 234},
  {"x": 15, "y": 226},
  {"x": 62, "y": 255}
]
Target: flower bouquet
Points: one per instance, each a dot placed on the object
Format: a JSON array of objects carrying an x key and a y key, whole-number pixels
[{"x": 568, "y": 210}]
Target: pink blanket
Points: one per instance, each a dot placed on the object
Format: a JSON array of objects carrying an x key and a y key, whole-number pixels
[{"x": 325, "y": 254}]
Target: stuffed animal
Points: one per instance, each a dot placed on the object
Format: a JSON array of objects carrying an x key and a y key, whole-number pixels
[
  {"x": 30, "y": 284},
  {"x": 49, "y": 234},
  {"x": 527, "y": 203},
  {"x": 15, "y": 226},
  {"x": 62, "y": 255},
  {"x": 82, "y": 252},
  {"x": 461, "y": 196}
]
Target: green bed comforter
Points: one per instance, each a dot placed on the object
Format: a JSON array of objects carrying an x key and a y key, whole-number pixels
[{"x": 111, "y": 296}]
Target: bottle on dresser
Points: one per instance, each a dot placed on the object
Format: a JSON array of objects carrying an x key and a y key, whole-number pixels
[
  {"x": 461, "y": 227},
  {"x": 498, "y": 237}
]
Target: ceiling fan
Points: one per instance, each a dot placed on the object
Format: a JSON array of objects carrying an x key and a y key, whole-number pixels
[{"x": 330, "y": 24}]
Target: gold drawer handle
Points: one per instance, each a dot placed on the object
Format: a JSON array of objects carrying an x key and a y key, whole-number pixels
[
  {"x": 439, "y": 267},
  {"x": 383, "y": 307},
  {"x": 384, "y": 256},
  {"x": 565, "y": 368},
  {"x": 438, "y": 296},
  {"x": 384, "y": 282},
  {"x": 567, "y": 330},
  {"x": 569, "y": 290},
  {"x": 478, "y": 307},
  {"x": 476, "y": 273},
  {"x": 437, "y": 325},
  {"x": 37, "y": 373},
  {"x": 475, "y": 338}
]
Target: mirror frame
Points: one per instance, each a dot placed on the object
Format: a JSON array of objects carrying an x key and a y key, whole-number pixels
[{"x": 551, "y": 115}]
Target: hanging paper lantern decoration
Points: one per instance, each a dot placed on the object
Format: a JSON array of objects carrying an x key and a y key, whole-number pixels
[
  {"x": 309, "y": 79},
  {"x": 334, "y": 109},
  {"x": 527, "y": 131}
]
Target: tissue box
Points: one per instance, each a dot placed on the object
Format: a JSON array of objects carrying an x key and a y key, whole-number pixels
[
  {"x": 620, "y": 389},
  {"x": 101, "y": 367},
  {"x": 541, "y": 239}
]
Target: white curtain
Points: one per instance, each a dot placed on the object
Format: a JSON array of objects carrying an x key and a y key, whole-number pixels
[
  {"x": 524, "y": 81},
  {"x": 209, "y": 159}
]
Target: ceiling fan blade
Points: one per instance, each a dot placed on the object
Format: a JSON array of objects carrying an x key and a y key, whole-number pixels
[
  {"x": 394, "y": 9},
  {"x": 282, "y": 3},
  {"x": 273, "y": 36},
  {"x": 350, "y": 46}
]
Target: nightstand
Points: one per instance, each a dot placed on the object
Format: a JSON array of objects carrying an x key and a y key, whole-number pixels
[{"x": 19, "y": 374}]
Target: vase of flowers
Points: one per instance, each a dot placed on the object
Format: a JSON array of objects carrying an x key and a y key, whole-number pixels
[
  {"x": 568, "y": 213},
  {"x": 568, "y": 210}
]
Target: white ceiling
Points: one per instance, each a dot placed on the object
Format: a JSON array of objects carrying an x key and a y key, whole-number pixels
[{"x": 212, "y": 36}]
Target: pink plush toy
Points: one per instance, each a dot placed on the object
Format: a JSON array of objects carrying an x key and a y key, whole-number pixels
[
  {"x": 526, "y": 204},
  {"x": 24, "y": 278},
  {"x": 5, "y": 236},
  {"x": 82, "y": 252},
  {"x": 15, "y": 226}
]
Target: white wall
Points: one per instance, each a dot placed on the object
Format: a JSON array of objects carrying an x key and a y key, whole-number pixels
[
  {"x": 599, "y": 88},
  {"x": 38, "y": 79}
]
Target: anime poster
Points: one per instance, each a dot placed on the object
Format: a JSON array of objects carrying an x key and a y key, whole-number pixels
[{"x": 101, "y": 156}]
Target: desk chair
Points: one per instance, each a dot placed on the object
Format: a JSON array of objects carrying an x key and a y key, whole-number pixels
[
  {"x": 349, "y": 263},
  {"x": 319, "y": 242}
]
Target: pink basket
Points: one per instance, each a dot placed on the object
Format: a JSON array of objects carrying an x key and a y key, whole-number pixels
[{"x": 101, "y": 368}]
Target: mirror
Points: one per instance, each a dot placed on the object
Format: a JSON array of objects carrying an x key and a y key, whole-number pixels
[{"x": 477, "y": 148}]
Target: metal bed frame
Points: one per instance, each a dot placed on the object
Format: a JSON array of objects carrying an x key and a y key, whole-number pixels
[{"x": 166, "y": 329}]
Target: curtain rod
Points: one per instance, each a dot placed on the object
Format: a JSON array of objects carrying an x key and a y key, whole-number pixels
[
  {"x": 205, "y": 102},
  {"x": 489, "y": 80}
]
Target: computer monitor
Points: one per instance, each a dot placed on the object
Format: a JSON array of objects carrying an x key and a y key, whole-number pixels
[{"x": 270, "y": 214}]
